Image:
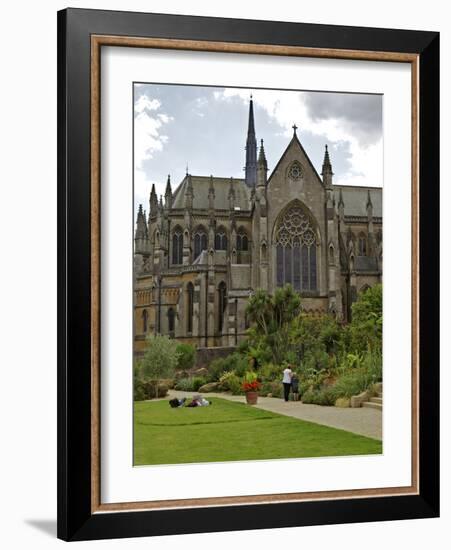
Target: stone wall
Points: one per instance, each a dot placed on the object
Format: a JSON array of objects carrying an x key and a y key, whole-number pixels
[{"x": 205, "y": 356}]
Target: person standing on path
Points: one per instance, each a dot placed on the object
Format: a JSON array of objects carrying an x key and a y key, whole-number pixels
[
  {"x": 286, "y": 381},
  {"x": 295, "y": 386}
]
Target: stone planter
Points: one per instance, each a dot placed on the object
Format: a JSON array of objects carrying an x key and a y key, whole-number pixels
[{"x": 251, "y": 397}]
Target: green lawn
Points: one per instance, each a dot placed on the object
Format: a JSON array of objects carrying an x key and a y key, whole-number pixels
[{"x": 234, "y": 431}]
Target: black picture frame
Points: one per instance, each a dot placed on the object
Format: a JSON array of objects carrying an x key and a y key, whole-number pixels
[{"x": 76, "y": 521}]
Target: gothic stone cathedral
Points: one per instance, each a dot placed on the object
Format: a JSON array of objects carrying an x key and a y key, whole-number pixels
[{"x": 215, "y": 240}]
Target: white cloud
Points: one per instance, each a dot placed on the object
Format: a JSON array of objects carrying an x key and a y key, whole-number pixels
[
  {"x": 149, "y": 139},
  {"x": 288, "y": 108}
]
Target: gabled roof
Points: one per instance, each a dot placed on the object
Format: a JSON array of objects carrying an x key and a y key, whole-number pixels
[
  {"x": 295, "y": 141},
  {"x": 201, "y": 185}
]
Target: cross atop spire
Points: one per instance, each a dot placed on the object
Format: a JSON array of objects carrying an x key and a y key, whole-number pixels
[{"x": 294, "y": 128}]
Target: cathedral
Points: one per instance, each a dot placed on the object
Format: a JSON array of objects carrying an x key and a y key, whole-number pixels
[{"x": 202, "y": 252}]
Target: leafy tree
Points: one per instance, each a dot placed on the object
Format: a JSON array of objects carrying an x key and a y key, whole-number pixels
[
  {"x": 272, "y": 316},
  {"x": 259, "y": 310},
  {"x": 160, "y": 359},
  {"x": 368, "y": 305},
  {"x": 286, "y": 305},
  {"x": 187, "y": 356},
  {"x": 366, "y": 326}
]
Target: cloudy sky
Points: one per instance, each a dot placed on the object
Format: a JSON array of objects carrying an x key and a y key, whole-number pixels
[{"x": 205, "y": 128}]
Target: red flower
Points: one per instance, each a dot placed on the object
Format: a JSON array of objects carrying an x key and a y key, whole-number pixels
[{"x": 251, "y": 386}]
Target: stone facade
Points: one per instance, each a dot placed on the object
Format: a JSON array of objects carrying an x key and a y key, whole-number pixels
[{"x": 201, "y": 253}]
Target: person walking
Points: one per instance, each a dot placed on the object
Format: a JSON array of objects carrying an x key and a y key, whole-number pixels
[
  {"x": 295, "y": 386},
  {"x": 286, "y": 381}
]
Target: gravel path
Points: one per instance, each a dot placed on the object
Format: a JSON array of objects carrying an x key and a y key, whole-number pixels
[{"x": 362, "y": 421}]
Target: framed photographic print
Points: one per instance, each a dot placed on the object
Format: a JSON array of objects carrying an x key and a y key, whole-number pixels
[{"x": 248, "y": 274}]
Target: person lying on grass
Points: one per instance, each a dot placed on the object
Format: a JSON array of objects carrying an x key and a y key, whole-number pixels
[{"x": 197, "y": 401}]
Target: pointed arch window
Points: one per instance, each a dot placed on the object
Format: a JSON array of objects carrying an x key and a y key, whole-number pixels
[
  {"x": 145, "y": 320},
  {"x": 200, "y": 242},
  {"x": 171, "y": 322},
  {"x": 222, "y": 303},
  {"x": 190, "y": 295},
  {"x": 177, "y": 247},
  {"x": 362, "y": 244},
  {"x": 221, "y": 240},
  {"x": 242, "y": 242},
  {"x": 296, "y": 242}
]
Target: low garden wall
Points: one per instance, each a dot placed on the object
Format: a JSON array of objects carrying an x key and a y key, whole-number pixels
[{"x": 204, "y": 356}]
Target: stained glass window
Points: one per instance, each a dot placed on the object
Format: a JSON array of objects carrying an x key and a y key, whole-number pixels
[
  {"x": 296, "y": 250},
  {"x": 242, "y": 242},
  {"x": 200, "y": 243},
  {"x": 177, "y": 248},
  {"x": 221, "y": 241},
  {"x": 362, "y": 244}
]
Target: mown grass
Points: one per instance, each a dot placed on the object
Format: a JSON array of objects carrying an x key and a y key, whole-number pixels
[{"x": 234, "y": 431}]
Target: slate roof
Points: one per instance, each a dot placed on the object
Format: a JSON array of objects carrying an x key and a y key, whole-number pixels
[
  {"x": 201, "y": 185},
  {"x": 365, "y": 263},
  {"x": 355, "y": 199}
]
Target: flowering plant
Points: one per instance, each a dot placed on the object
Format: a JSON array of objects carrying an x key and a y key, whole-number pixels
[{"x": 250, "y": 382}]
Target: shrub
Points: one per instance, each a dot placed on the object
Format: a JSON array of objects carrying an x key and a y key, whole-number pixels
[
  {"x": 353, "y": 383},
  {"x": 233, "y": 362},
  {"x": 270, "y": 372},
  {"x": 231, "y": 382},
  {"x": 154, "y": 388},
  {"x": 192, "y": 383},
  {"x": 216, "y": 368},
  {"x": 304, "y": 386},
  {"x": 187, "y": 356},
  {"x": 358, "y": 373},
  {"x": 316, "y": 359},
  {"x": 325, "y": 397},
  {"x": 139, "y": 393},
  {"x": 198, "y": 381},
  {"x": 275, "y": 388},
  {"x": 169, "y": 382}
]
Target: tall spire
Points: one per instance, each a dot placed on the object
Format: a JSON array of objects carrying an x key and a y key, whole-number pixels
[
  {"x": 327, "y": 169},
  {"x": 140, "y": 232},
  {"x": 153, "y": 202},
  {"x": 168, "y": 193},
  {"x": 262, "y": 156},
  {"x": 251, "y": 149},
  {"x": 262, "y": 166}
]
